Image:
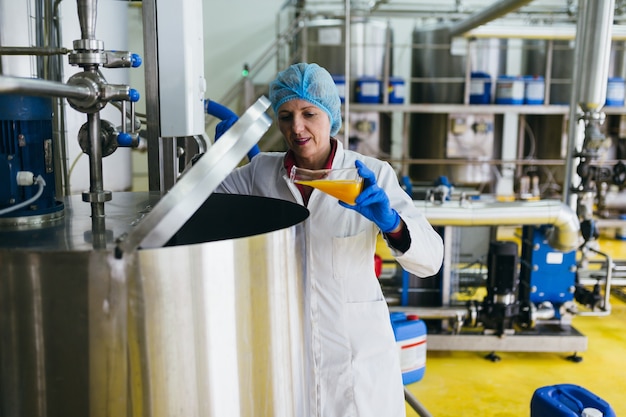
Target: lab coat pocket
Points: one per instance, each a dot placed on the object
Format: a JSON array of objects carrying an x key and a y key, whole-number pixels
[{"x": 353, "y": 266}]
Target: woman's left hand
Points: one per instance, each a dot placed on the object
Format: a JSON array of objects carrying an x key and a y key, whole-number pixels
[{"x": 373, "y": 202}]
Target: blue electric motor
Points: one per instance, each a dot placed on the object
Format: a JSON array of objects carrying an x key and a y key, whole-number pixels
[{"x": 26, "y": 151}]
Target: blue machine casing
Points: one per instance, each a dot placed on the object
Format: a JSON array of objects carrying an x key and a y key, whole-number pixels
[
  {"x": 552, "y": 272},
  {"x": 566, "y": 400},
  {"x": 26, "y": 145}
]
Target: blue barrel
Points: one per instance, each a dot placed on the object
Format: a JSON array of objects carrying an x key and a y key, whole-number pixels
[
  {"x": 340, "y": 82},
  {"x": 368, "y": 90},
  {"x": 567, "y": 400},
  {"x": 396, "y": 90},
  {"x": 410, "y": 334},
  {"x": 480, "y": 88}
]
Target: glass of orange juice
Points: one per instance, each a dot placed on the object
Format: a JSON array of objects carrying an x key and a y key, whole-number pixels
[{"x": 345, "y": 184}]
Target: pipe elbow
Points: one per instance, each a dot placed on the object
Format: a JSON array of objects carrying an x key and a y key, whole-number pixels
[{"x": 565, "y": 236}]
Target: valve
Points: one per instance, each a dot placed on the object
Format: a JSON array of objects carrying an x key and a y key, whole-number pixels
[{"x": 124, "y": 137}]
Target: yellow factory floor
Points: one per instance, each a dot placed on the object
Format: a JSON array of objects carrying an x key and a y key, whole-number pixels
[{"x": 459, "y": 384}]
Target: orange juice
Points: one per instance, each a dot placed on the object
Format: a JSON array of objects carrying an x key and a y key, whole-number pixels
[{"x": 344, "y": 190}]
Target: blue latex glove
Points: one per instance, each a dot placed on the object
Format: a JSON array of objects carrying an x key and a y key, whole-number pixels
[
  {"x": 373, "y": 202},
  {"x": 224, "y": 125},
  {"x": 228, "y": 118}
]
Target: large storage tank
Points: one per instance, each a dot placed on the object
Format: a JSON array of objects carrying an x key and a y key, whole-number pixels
[
  {"x": 438, "y": 74},
  {"x": 439, "y": 71},
  {"x": 324, "y": 42},
  {"x": 210, "y": 325},
  {"x": 546, "y": 134}
]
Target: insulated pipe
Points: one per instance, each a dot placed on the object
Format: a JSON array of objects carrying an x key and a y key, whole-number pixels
[
  {"x": 488, "y": 14},
  {"x": 546, "y": 212}
]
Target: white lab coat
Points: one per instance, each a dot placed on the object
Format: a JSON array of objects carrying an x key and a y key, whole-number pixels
[{"x": 355, "y": 360}]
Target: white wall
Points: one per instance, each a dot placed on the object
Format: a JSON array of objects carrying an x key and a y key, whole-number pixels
[{"x": 235, "y": 32}]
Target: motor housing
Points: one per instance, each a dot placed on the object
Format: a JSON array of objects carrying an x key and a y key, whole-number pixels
[{"x": 26, "y": 145}]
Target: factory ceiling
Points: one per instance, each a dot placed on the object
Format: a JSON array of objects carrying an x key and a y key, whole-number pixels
[{"x": 537, "y": 11}]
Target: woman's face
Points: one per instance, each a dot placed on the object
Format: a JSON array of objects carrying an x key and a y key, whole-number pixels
[{"x": 306, "y": 128}]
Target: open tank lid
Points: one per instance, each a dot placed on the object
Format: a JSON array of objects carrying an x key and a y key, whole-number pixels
[{"x": 191, "y": 191}]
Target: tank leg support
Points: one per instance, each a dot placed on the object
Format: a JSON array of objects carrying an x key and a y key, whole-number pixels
[{"x": 415, "y": 404}]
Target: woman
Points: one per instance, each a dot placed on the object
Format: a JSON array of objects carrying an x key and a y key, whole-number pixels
[{"x": 356, "y": 370}]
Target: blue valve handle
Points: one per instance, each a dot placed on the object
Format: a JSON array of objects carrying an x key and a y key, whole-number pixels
[
  {"x": 124, "y": 139},
  {"x": 133, "y": 95},
  {"x": 135, "y": 60}
]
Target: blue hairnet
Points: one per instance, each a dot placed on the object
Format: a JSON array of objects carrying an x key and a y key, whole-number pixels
[{"x": 308, "y": 82}]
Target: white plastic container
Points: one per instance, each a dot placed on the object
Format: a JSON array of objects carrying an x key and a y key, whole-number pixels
[
  {"x": 509, "y": 90},
  {"x": 534, "y": 89}
]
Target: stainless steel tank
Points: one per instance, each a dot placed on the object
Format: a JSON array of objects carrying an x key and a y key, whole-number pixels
[
  {"x": 440, "y": 73},
  {"x": 324, "y": 43},
  {"x": 187, "y": 304},
  {"x": 371, "y": 55},
  {"x": 439, "y": 77},
  {"x": 212, "y": 324}
]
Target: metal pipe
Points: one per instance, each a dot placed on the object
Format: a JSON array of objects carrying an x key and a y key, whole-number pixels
[
  {"x": 572, "y": 124},
  {"x": 606, "y": 308},
  {"x": 36, "y": 87},
  {"x": 87, "y": 13},
  {"x": 593, "y": 37},
  {"x": 23, "y": 50},
  {"x": 96, "y": 183},
  {"x": 56, "y": 73},
  {"x": 546, "y": 212},
  {"x": 615, "y": 200},
  {"x": 488, "y": 14},
  {"x": 434, "y": 312},
  {"x": 347, "y": 70},
  {"x": 153, "y": 116},
  {"x": 415, "y": 404},
  {"x": 593, "y": 33}
]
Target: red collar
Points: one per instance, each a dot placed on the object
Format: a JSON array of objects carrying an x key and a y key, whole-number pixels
[{"x": 290, "y": 159}]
